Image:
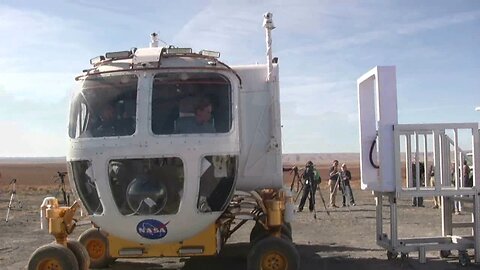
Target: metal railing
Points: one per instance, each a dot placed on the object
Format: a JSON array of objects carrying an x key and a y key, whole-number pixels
[{"x": 420, "y": 147}]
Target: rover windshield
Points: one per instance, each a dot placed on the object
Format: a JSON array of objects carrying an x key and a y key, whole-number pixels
[
  {"x": 186, "y": 102},
  {"x": 105, "y": 107}
]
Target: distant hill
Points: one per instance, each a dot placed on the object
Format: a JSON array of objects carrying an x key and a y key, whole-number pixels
[
  {"x": 287, "y": 159},
  {"x": 320, "y": 158},
  {"x": 32, "y": 160}
]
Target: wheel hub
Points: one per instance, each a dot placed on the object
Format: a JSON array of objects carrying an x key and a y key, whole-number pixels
[
  {"x": 96, "y": 249},
  {"x": 274, "y": 261},
  {"x": 50, "y": 264}
]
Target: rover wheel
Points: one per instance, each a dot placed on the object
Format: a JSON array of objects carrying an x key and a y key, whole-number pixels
[
  {"x": 445, "y": 253},
  {"x": 53, "y": 256},
  {"x": 391, "y": 255},
  {"x": 463, "y": 258},
  {"x": 258, "y": 231},
  {"x": 96, "y": 244},
  {"x": 81, "y": 254},
  {"x": 273, "y": 253}
]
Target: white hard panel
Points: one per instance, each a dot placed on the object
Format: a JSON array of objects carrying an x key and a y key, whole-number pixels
[
  {"x": 377, "y": 103},
  {"x": 260, "y": 164}
]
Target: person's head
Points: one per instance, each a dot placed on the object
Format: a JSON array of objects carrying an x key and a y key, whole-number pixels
[
  {"x": 335, "y": 163},
  {"x": 464, "y": 162},
  {"x": 108, "y": 112},
  {"x": 344, "y": 166},
  {"x": 203, "y": 111}
]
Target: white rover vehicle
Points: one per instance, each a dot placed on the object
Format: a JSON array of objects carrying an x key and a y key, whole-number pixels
[{"x": 170, "y": 153}]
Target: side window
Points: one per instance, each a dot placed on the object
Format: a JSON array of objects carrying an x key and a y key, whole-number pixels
[
  {"x": 196, "y": 103},
  {"x": 216, "y": 182},
  {"x": 86, "y": 186}
]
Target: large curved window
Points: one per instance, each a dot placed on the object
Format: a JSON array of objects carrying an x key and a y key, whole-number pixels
[
  {"x": 85, "y": 186},
  {"x": 147, "y": 186},
  {"x": 216, "y": 182},
  {"x": 186, "y": 102},
  {"x": 105, "y": 107}
]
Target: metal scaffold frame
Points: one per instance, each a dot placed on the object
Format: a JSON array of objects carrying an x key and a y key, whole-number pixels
[
  {"x": 395, "y": 159},
  {"x": 448, "y": 192}
]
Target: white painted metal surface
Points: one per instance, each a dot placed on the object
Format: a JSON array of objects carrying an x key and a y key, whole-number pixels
[
  {"x": 377, "y": 104},
  {"x": 260, "y": 153},
  {"x": 254, "y": 137}
]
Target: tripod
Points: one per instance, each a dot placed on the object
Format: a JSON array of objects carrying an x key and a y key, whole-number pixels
[
  {"x": 60, "y": 177},
  {"x": 13, "y": 198},
  {"x": 296, "y": 176}
]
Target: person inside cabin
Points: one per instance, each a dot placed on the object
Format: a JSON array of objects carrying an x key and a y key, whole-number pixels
[
  {"x": 104, "y": 124},
  {"x": 200, "y": 122}
]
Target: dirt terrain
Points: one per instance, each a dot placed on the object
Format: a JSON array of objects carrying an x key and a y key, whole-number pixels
[{"x": 345, "y": 239}]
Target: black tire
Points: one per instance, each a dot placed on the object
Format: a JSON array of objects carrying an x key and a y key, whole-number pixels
[
  {"x": 96, "y": 244},
  {"x": 287, "y": 231},
  {"x": 273, "y": 253},
  {"x": 81, "y": 254},
  {"x": 445, "y": 253},
  {"x": 463, "y": 258},
  {"x": 53, "y": 256},
  {"x": 391, "y": 255},
  {"x": 258, "y": 231}
]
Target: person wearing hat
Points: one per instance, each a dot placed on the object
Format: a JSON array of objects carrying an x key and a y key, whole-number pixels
[{"x": 309, "y": 187}]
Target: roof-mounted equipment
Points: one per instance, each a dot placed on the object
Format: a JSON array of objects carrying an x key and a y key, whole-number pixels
[{"x": 213, "y": 54}]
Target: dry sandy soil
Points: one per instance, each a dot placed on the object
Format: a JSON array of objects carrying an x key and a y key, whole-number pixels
[{"x": 345, "y": 239}]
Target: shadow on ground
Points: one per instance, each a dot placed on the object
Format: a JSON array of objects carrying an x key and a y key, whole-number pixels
[{"x": 233, "y": 257}]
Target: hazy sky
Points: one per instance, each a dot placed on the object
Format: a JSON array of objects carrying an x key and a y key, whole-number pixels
[{"x": 323, "y": 47}]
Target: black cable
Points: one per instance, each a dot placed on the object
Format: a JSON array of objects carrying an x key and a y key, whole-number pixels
[{"x": 370, "y": 156}]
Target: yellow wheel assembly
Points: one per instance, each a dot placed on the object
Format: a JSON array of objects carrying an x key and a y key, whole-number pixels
[
  {"x": 96, "y": 245},
  {"x": 53, "y": 257}
]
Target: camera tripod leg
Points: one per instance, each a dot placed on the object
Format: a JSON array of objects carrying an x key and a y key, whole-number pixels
[{"x": 12, "y": 197}]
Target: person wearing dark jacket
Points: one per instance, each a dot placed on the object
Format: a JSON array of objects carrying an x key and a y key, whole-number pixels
[
  {"x": 418, "y": 201},
  {"x": 346, "y": 176},
  {"x": 309, "y": 188}
]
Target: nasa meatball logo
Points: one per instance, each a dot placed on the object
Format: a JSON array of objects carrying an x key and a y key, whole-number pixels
[{"x": 152, "y": 229}]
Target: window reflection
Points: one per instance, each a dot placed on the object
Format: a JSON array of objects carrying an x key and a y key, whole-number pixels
[
  {"x": 105, "y": 107},
  {"x": 191, "y": 103}
]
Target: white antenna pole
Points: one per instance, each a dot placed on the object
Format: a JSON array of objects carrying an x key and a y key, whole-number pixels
[
  {"x": 154, "y": 40},
  {"x": 268, "y": 25}
]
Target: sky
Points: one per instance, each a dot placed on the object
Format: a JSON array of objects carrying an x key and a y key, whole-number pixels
[{"x": 323, "y": 48}]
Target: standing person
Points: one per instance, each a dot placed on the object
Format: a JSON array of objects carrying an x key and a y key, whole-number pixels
[
  {"x": 418, "y": 201},
  {"x": 296, "y": 178},
  {"x": 308, "y": 188},
  {"x": 466, "y": 175},
  {"x": 332, "y": 182},
  {"x": 436, "y": 199},
  {"x": 346, "y": 189}
]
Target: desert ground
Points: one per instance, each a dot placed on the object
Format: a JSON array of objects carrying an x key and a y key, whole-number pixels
[{"x": 345, "y": 239}]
